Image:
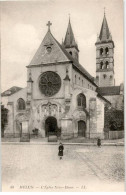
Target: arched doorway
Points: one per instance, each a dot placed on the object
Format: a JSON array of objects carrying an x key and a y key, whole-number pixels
[
  {"x": 81, "y": 128},
  {"x": 50, "y": 126}
]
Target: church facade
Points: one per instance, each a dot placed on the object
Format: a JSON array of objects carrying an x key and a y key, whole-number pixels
[{"x": 61, "y": 97}]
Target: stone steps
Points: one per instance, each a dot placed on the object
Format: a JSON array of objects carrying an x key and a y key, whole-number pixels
[{"x": 52, "y": 138}]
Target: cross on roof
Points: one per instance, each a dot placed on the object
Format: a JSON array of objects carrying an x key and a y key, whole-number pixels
[
  {"x": 49, "y": 24},
  {"x": 104, "y": 10}
]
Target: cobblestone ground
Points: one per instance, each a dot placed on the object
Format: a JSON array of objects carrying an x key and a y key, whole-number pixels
[{"x": 36, "y": 167}]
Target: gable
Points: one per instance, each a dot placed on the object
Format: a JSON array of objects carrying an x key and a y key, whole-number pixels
[
  {"x": 58, "y": 54},
  {"x": 20, "y": 94},
  {"x": 45, "y": 56}
]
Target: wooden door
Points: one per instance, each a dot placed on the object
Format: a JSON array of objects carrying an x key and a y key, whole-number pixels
[{"x": 81, "y": 128}]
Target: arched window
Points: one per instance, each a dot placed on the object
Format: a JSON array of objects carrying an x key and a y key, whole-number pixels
[
  {"x": 101, "y": 51},
  {"x": 101, "y": 65},
  {"x": 49, "y": 49},
  {"x": 104, "y": 75},
  {"x": 75, "y": 79},
  {"x": 107, "y": 64},
  {"x": 82, "y": 82},
  {"x": 70, "y": 52},
  {"x": 21, "y": 104},
  {"x": 106, "y": 51},
  {"x": 81, "y": 101}
]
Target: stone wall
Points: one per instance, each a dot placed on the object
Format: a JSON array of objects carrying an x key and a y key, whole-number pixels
[
  {"x": 93, "y": 118},
  {"x": 79, "y": 80}
]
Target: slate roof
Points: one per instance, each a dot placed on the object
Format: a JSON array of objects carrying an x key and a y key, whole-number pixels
[
  {"x": 11, "y": 91},
  {"x": 42, "y": 56},
  {"x": 106, "y": 91},
  {"x": 69, "y": 38},
  {"x": 104, "y": 33}
]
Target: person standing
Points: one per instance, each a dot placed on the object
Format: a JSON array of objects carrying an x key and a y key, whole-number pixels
[
  {"x": 61, "y": 148},
  {"x": 99, "y": 142}
]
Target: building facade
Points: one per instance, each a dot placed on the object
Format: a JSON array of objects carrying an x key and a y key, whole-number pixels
[{"x": 61, "y": 97}]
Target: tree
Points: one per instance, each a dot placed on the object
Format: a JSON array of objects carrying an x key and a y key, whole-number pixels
[
  {"x": 4, "y": 119},
  {"x": 114, "y": 119}
]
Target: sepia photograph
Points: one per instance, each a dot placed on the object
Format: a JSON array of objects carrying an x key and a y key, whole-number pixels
[{"x": 62, "y": 96}]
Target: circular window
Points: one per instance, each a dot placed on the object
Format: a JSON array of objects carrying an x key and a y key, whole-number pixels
[{"x": 49, "y": 83}]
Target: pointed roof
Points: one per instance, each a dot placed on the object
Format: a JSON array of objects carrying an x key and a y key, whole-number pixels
[
  {"x": 104, "y": 33},
  {"x": 49, "y": 51},
  {"x": 69, "y": 38}
]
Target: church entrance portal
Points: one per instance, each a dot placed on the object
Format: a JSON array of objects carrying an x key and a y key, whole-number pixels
[
  {"x": 50, "y": 126},
  {"x": 81, "y": 128}
]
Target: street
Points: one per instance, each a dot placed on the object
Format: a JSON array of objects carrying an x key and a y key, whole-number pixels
[{"x": 36, "y": 167}]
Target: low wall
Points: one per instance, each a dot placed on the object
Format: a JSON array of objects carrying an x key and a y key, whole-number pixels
[{"x": 116, "y": 134}]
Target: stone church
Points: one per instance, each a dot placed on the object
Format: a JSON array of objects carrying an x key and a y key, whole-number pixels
[{"x": 61, "y": 97}]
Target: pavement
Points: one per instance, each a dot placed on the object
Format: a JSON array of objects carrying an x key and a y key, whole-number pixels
[
  {"x": 37, "y": 167},
  {"x": 75, "y": 141}
]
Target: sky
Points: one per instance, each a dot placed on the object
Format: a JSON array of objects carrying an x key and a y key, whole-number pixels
[{"x": 23, "y": 27}]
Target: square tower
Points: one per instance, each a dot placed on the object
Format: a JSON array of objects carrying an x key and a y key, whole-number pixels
[{"x": 105, "y": 57}]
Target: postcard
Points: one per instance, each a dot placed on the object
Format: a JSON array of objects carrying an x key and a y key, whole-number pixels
[{"x": 62, "y": 96}]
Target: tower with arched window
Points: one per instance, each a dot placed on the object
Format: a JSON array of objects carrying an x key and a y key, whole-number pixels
[{"x": 105, "y": 57}]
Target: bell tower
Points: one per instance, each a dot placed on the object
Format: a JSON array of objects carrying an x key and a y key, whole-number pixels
[{"x": 105, "y": 57}]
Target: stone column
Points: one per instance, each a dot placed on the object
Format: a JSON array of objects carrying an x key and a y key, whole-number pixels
[
  {"x": 87, "y": 128},
  {"x": 100, "y": 119},
  {"x": 93, "y": 118},
  {"x": 66, "y": 128},
  {"x": 67, "y": 92},
  {"x": 29, "y": 91},
  {"x": 25, "y": 132},
  {"x": 67, "y": 86},
  {"x": 9, "y": 131}
]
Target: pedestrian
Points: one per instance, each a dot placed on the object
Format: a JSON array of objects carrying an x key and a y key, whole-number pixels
[
  {"x": 99, "y": 142},
  {"x": 61, "y": 148}
]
